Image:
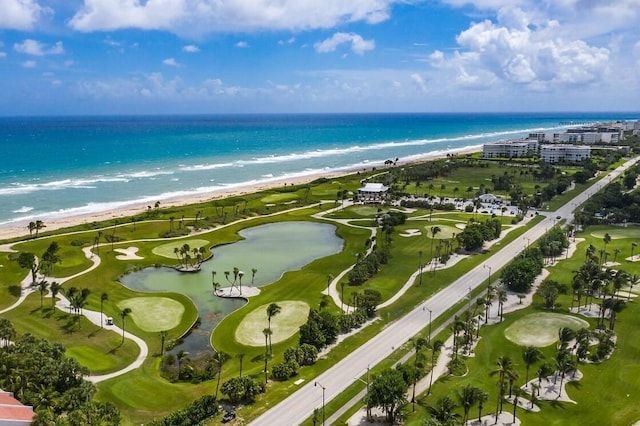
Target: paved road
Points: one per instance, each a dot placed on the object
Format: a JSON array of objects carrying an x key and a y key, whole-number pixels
[{"x": 300, "y": 405}]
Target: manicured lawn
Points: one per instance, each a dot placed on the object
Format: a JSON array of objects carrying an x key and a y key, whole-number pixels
[
  {"x": 279, "y": 198},
  {"x": 283, "y": 325},
  {"x": 98, "y": 349},
  {"x": 619, "y": 375},
  {"x": 167, "y": 250},
  {"x": 541, "y": 328},
  {"x": 154, "y": 314}
]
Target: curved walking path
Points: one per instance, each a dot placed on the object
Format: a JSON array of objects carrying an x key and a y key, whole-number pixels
[{"x": 96, "y": 318}]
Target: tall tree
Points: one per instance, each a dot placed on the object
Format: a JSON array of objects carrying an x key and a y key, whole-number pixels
[
  {"x": 272, "y": 310},
  {"x": 54, "y": 288},
  {"x": 467, "y": 396},
  {"x": 124, "y": 314},
  {"x": 387, "y": 390},
  {"x": 444, "y": 411},
  {"x": 163, "y": 338},
  {"x": 103, "y": 298},
  {"x": 530, "y": 355},
  {"x": 435, "y": 346}
]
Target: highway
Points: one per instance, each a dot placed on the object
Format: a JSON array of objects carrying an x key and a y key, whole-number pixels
[{"x": 300, "y": 405}]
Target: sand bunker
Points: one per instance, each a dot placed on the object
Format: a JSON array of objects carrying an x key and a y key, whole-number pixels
[
  {"x": 128, "y": 254},
  {"x": 411, "y": 233}
]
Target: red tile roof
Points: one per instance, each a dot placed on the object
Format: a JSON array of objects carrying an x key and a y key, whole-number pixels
[{"x": 12, "y": 410}]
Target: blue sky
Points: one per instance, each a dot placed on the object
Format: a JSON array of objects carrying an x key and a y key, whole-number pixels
[{"x": 229, "y": 56}]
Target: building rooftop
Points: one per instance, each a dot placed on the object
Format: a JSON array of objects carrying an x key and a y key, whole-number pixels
[{"x": 12, "y": 411}]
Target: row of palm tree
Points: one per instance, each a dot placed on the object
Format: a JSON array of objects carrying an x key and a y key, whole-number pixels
[{"x": 183, "y": 254}]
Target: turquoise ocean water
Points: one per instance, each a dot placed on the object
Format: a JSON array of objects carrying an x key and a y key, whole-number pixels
[{"x": 53, "y": 167}]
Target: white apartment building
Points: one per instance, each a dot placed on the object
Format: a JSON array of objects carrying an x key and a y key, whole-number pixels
[
  {"x": 510, "y": 148},
  {"x": 562, "y": 153}
]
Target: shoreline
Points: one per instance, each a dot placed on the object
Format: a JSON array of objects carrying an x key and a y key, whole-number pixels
[{"x": 19, "y": 229}]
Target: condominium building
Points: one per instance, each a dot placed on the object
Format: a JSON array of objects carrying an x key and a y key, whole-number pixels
[
  {"x": 510, "y": 148},
  {"x": 563, "y": 153}
]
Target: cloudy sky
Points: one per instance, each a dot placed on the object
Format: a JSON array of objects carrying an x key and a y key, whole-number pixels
[{"x": 217, "y": 56}]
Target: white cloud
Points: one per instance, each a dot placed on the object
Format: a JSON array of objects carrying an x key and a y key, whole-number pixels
[
  {"x": 523, "y": 49},
  {"x": 35, "y": 48},
  {"x": 291, "y": 40},
  {"x": 358, "y": 45},
  {"x": 171, "y": 62},
  {"x": 191, "y": 48},
  {"x": 29, "y": 64},
  {"x": 3, "y": 55},
  {"x": 242, "y": 44},
  {"x": 198, "y": 17},
  {"x": 20, "y": 14},
  {"x": 419, "y": 82}
]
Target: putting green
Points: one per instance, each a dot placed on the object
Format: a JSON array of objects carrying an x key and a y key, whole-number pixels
[
  {"x": 293, "y": 314},
  {"x": 445, "y": 233},
  {"x": 366, "y": 211},
  {"x": 279, "y": 198},
  {"x": 167, "y": 250},
  {"x": 541, "y": 329},
  {"x": 154, "y": 313},
  {"x": 618, "y": 233}
]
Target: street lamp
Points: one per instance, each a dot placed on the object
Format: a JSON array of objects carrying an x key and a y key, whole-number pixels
[
  {"x": 315, "y": 384},
  {"x": 429, "y": 335},
  {"x": 488, "y": 267},
  {"x": 366, "y": 383},
  {"x": 420, "y": 265}
]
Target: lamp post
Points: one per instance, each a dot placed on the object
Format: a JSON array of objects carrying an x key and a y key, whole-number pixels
[
  {"x": 420, "y": 266},
  {"x": 316, "y": 383},
  {"x": 489, "y": 268},
  {"x": 428, "y": 335},
  {"x": 366, "y": 383}
]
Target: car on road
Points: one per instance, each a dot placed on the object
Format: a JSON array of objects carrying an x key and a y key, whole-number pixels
[{"x": 558, "y": 217}]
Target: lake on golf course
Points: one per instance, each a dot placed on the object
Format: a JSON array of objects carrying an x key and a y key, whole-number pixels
[{"x": 272, "y": 249}]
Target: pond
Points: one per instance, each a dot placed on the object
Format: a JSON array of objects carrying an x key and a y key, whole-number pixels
[{"x": 271, "y": 249}]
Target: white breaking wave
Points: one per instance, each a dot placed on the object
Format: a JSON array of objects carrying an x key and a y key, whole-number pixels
[{"x": 23, "y": 209}]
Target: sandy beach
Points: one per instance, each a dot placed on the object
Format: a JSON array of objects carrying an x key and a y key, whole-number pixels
[{"x": 19, "y": 229}]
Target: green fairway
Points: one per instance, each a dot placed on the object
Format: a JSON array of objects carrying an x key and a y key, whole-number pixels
[
  {"x": 618, "y": 233},
  {"x": 445, "y": 233},
  {"x": 284, "y": 325},
  {"x": 279, "y": 198},
  {"x": 541, "y": 329},
  {"x": 167, "y": 250},
  {"x": 154, "y": 313}
]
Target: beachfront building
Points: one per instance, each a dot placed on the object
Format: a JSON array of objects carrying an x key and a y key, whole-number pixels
[
  {"x": 600, "y": 133},
  {"x": 510, "y": 149},
  {"x": 372, "y": 193},
  {"x": 564, "y": 153}
]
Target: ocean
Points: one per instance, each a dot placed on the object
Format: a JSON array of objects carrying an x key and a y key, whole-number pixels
[{"x": 55, "y": 167}]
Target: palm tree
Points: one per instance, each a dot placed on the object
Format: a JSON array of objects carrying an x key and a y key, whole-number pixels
[
  {"x": 443, "y": 410},
  {"x": 163, "y": 338},
  {"x": 544, "y": 371},
  {"x": 329, "y": 279},
  {"x": 103, "y": 298},
  {"x": 272, "y": 310},
  {"x": 434, "y": 231},
  {"x": 606, "y": 240},
  {"x": 467, "y": 396},
  {"x": 240, "y": 358},
  {"x": 220, "y": 358},
  {"x": 616, "y": 252},
  {"x": 504, "y": 369},
  {"x": 502, "y": 297},
  {"x": 124, "y": 314},
  {"x": 418, "y": 344},
  {"x": 42, "y": 288},
  {"x": 39, "y": 225},
  {"x": 481, "y": 398},
  {"x": 253, "y": 275},
  {"x": 633, "y": 247},
  {"x": 267, "y": 335},
  {"x": 435, "y": 346},
  {"x": 530, "y": 355},
  {"x": 54, "y": 288},
  {"x": 180, "y": 356}
]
